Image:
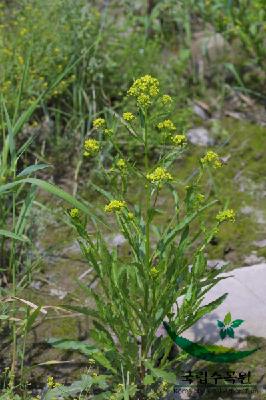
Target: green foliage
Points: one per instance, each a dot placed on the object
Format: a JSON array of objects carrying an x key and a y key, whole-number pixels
[
  {"x": 138, "y": 291},
  {"x": 28, "y": 26},
  {"x": 72, "y": 61}
]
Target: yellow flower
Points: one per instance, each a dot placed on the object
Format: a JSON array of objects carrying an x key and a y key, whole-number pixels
[
  {"x": 162, "y": 390},
  {"x": 91, "y": 147},
  {"x": 160, "y": 175},
  {"x": 130, "y": 215},
  {"x": 23, "y": 32},
  {"x": 74, "y": 212},
  {"x": 143, "y": 100},
  {"x": 166, "y": 125},
  {"x": 50, "y": 382},
  {"x": 226, "y": 215},
  {"x": 91, "y": 361},
  {"x": 119, "y": 388},
  {"x": 166, "y": 99},
  {"x": 200, "y": 198},
  {"x": 144, "y": 89},
  {"x": 7, "y": 52},
  {"x": 98, "y": 123},
  {"x": 20, "y": 60},
  {"x": 94, "y": 374},
  {"x": 154, "y": 272},
  {"x": 114, "y": 205},
  {"x": 128, "y": 116},
  {"x": 179, "y": 140},
  {"x": 121, "y": 164},
  {"x": 108, "y": 132},
  {"x": 145, "y": 85},
  {"x": 211, "y": 158}
]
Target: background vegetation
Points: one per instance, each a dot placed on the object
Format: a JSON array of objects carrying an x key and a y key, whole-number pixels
[{"x": 65, "y": 63}]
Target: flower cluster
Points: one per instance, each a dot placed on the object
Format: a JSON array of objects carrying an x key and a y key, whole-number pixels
[
  {"x": 144, "y": 100},
  {"x": 226, "y": 215},
  {"x": 200, "y": 198},
  {"x": 114, "y": 205},
  {"x": 160, "y": 175},
  {"x": 74, "y": 212},
  {"x": 108, "y": 131},
  {"x": 98, "y": 123},
  {"x": 166, "y": 99},
  {"x": 144, "y": 89},
  {"x": 179, "y": 140},
  {"x": 51, "y": 383},
  {"x": 166, "y": 125},
  {"x": 211, "y": 158},
  {"x": 91, "y": 147},
  {"x": 154, "y": 272},
  {"x": 128, "y": 116},
  {"x": 121, "y": 164}
]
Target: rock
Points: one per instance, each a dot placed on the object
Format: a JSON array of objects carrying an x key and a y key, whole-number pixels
[
  {"x": 217, "y": 264},
  {"x": 260, "y": 243},
  {"x": 61, "y": 294},
  {"x": 200, "y": 112},
  {"x": 118, "y": 240},
  {"x": 36, "y": 285},
  {"x": 246, "y": 300},
  {"x": 208, "y": 48},
  {"x": 200, "y": 137},
  {"x": 258, "y": 214},
  {"x": 247, "y": 210},
  {"x": 253, "y": 259}
]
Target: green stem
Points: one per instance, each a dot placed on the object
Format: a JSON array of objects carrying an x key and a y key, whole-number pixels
[
  {"x": 12, "y": 266},
  {"x": 24, "y": 348},
  {"x": 147, "y": 249},
  {"x": 147, "y": 222}
]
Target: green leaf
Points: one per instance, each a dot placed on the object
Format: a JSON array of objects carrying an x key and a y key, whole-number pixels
[
  {"x": 101, "y": 359},
  {"x": 230, "y": 332},
  {"x": 148, "y": 380},
  {"x": 81, "y": 310},
  {"x": 223, "y": 333},
  {"x": 220, "y": 324},
  {"x": 68, "y": 344},
  {"x": 25, "y": 211},
  {"x": 189, "y": 293},
  {"x": 32, "y": 168},
  {"x": 31, "y": 319},
  {"x": 199, "y": 265},
  {"x": 227, "y": 318},
  {"x": 13, "y": 235},
  {"x": 103, "y": 192},
  {"x": 209, "y": 307},
  {"x": 84, "y": 348},
  {"x": 10, "y": 139},
  {"x": 236, "y": 323},
  {"x": 160, "y": 373},
  {"x": 76, "y": 387}
]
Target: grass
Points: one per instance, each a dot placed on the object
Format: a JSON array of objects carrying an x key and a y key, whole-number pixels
[{"x": 63, "y": 65}]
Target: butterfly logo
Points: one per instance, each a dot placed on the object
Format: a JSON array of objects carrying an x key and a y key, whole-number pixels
[{"x": 227, "y": 326}]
